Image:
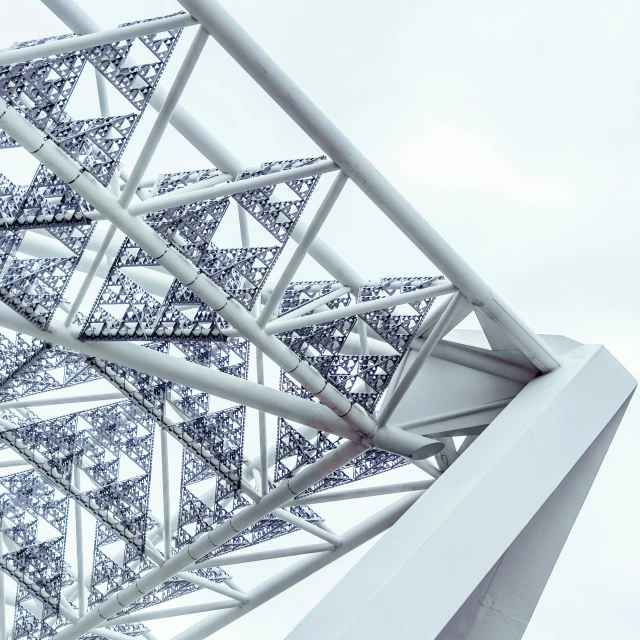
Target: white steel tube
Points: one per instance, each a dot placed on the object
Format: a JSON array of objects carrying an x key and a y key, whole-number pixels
[
  {"x": 302, "y": 249},
  {"x": 32, "y": 140},
  {"x": 7, "y": 464},
  {"x": 47, "y": 402},
  {"x": 316, "y": 304},
  {"x": 327, "y": 258},
  {"x": 467, "y": 356},
  {"x": 82, "y": 589},
  {"x": 164, "y": 115},
  {"x": 88, "y": 279},
  {"x": 262, "y": 427},
  {"x": 452, "y": 415},
  {"x": 255, "y": 556},
  {"x": 285, "y": 324},
  {"x": 105, "y": 36},
  {"x": 186, "y": 196},
  {"x": 435, "y": 336},
  {"x": 309, "y": 527},
  {"x": 192, "y": 130},
  {"x": 103, "y": 95},
  {"x": 219, "y": 588},
  {"x": 255, "y": 61},
  {"x": 363, "y": 492},
  {"x": 362, "y": 335},
  {"x": 466, "y": 443},
  {"x": 79, "y": 21},
  {"x": 244, "y": 226},
  {"x": 290, "y": 576},
  {"x": 166, "y": 493},
  {"x": 159, "y": 614},
  {"x": 212, "y": 539}
]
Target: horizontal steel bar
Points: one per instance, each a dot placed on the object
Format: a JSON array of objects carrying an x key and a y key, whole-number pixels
[
  {"x": 364, "y": 492},
  {"x": 309, "y": 527},
  {"x": 255, "y": 556},
  {"x": 360, "y": 308},
  {"x": 106, "y": 36},
  {"x": 158, "y": 614},
  {"x": 219, "y": 588},
  {"x": 5, "y": 464},
  {"x": 34, "y": 401},
  {"x": 186, "y": 196}
]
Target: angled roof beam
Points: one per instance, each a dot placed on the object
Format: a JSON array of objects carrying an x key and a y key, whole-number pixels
[
  {"x": 189, "y": 374},
  {"x": 84, "y": 184},
  {"x": 214, "y": 538},
  {"x": 185, "y": 123},
  {"x": 292, "y": 100}
]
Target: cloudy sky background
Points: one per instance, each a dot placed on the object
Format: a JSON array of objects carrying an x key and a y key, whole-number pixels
[{"x": 513, "y": 128}]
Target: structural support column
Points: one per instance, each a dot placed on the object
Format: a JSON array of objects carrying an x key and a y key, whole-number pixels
[
  {"x": 502, "y": 605},
  {"x": 470, "y": 517}
]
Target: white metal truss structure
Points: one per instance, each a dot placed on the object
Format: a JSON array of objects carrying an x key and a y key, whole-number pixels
[{"x": 127, "y": 288}]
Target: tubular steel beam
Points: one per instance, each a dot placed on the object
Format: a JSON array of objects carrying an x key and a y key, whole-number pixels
[
  {"x": 303, "y": 247},
  {"x": 100, "y": 37},
  {"x": 286, "y": 324},
  {"x": 364, "y": 492},
  {"x": 76, "y": 18},
  {"x": 186, "y": 195},
  {"x": 255, "y": 61},
  {"x": 214, "y": 538},
  {"x": 452, "y": 415},
  {"x": 256, "y": 556},
  {"x": 290, "y": 576},
  {"x": 68, "y": 170},
  {"x": 164, "y": 115},
  {"x": 158, "y": 614},
  {"x": 34, "y": 401}
]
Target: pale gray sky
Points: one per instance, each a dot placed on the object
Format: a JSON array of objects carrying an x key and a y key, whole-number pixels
[{"x": 513, "y": 127}]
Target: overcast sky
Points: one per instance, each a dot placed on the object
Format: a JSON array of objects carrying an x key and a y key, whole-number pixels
[{"x": 513, "y": 127}]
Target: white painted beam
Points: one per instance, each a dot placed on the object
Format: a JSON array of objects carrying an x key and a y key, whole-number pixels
[
  {"x": 502, "y": 605},
  {"x": 255, "y": 61},
  {"x": 490, "y": 494}
]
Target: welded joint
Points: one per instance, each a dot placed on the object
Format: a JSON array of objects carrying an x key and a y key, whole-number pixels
[
  {"x": 482, "y": 303},
  {"x": 290, "y": 490},
  {"x": 82, "y": 170},
  {"x": 45, "y": 139},
  {"x": 164, "y": 253}
]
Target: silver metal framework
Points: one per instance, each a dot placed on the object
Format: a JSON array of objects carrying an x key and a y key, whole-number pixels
[{"x": 169, "y": 319}]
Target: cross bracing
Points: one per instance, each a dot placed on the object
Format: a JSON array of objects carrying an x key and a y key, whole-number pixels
[{"x": 171, "y": 318}]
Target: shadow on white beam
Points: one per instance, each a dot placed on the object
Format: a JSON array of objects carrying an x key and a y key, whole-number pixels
[{"x": 465, "y": 523}]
